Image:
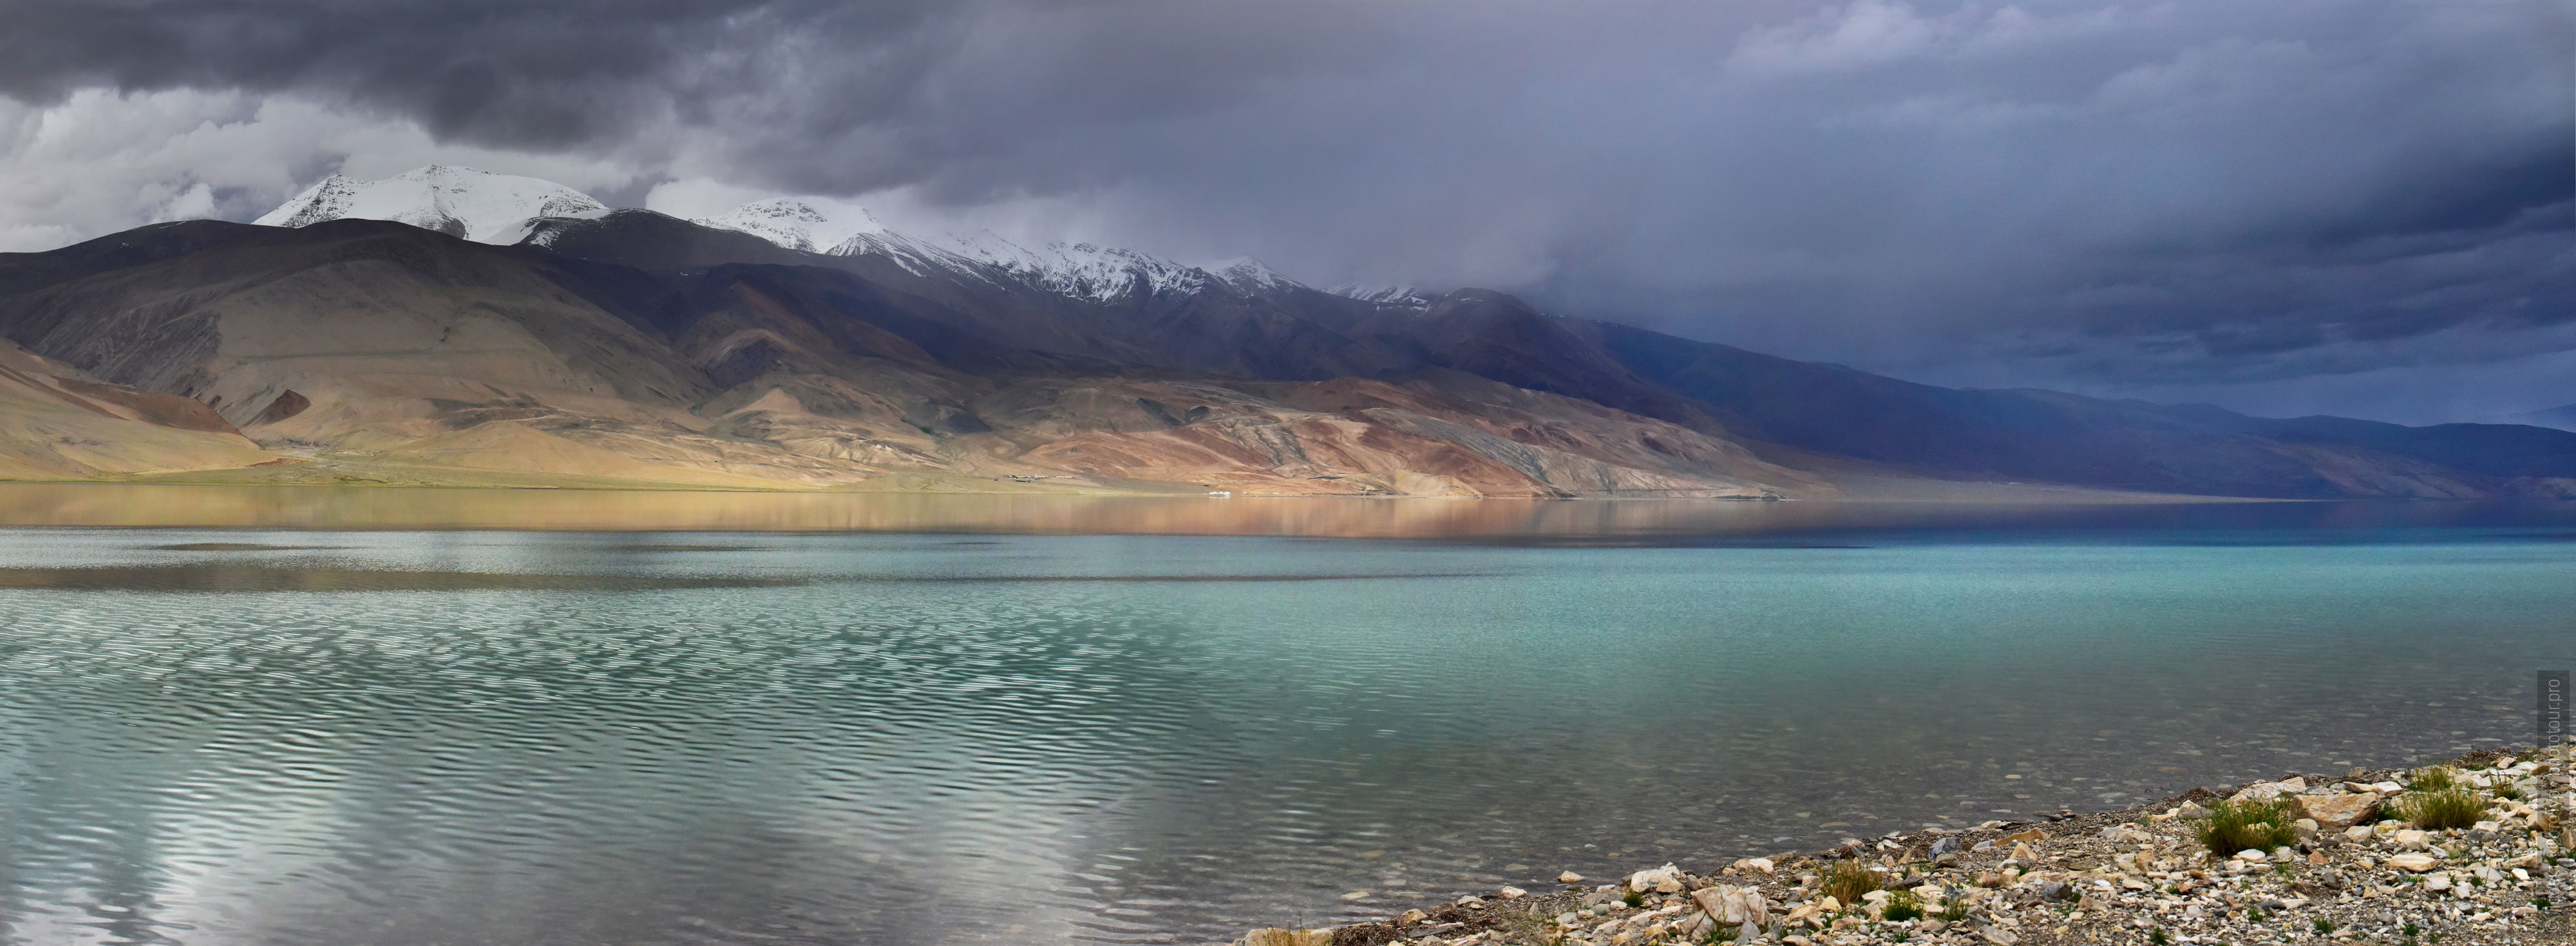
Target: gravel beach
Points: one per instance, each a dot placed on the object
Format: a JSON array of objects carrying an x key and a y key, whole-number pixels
[{"x": 2479, "y": 851}]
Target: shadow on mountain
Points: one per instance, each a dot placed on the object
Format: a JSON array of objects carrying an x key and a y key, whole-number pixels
[{"x": 634, "y": 348}]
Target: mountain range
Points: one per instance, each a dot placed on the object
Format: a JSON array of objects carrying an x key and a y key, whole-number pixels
[{"x": 453, "y": 326}]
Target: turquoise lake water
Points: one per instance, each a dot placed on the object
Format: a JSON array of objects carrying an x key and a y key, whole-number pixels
[{"x": 249, "y": 736}]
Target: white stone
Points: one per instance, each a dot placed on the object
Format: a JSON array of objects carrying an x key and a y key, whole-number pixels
[
  {"x": 1569, "y": 877},
  {"x": 1511, "y": 893},
  {"x": 2339, "y": 810},
  {"x": 2251, "y": 856},
  {"x": 1665, "y": 879},
  {"x": 2417, "y": 863},
  {"x": 1732, "y": 905},
  {"x": 2266, "y": 791},
  {"x": 1696, "y": 926}
]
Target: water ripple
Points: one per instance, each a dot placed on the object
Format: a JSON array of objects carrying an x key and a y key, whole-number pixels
[{"x": 568, "y": 739}]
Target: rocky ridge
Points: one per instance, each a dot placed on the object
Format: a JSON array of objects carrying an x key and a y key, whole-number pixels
[
  {"x": 453, "y": 326},
  {"x": 2356, "y": 873}
]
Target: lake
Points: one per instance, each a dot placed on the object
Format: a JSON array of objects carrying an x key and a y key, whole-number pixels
[{"x": 381, "y": 717}]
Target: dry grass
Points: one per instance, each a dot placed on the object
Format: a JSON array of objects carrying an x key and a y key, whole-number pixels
[
  {"x": 2452, "y": 807},
  {"x": 2248, "y": 826},
  {"x": 1846, "y": 881}
]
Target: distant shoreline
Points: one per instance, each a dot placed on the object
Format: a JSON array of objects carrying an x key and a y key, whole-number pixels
[{"x": 471, "y": 508}]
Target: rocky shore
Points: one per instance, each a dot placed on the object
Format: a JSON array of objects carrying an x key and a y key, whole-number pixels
[{"x": 2479, "y": 851}]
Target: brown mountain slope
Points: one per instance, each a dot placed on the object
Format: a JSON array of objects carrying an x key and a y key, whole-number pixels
[
  {"x": 360, "y": 344},
  {"x": 377, "y": 350},
  {"x": 1815, "y": 416},
  {"x": 57, "y": 422}
]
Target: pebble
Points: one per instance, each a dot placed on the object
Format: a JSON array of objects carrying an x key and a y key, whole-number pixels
[{"x": 2418, "y": 863}]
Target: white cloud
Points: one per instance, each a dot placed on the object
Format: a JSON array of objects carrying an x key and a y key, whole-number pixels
[{"x": 99, "y": 162}]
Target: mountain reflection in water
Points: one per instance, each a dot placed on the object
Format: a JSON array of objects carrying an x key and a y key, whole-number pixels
[{"x": 1607, "y": 522}]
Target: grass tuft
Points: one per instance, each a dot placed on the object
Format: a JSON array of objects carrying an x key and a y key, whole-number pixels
[
  {"x": 1847, "y": 880},
  {"x": 1903, "y": 905},
  {"x": 2247, "y": 826},
  {"x": 2432, "y": 778},
  {"x": 2449, "y": 807},
  {"x": 1954, "y": 905}
]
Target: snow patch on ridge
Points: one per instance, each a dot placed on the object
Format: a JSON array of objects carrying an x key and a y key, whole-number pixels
[
  {"x": 1097, "y": 273},
  {"x": 797, "y": 224},
  {"x": 1249, "y": 275},
  {"x": 1079, "y": 270},
  {"x": 460, "y": 202},
  {"x": 1402, "y": 295},
  {"x": 507, "y": 210}
]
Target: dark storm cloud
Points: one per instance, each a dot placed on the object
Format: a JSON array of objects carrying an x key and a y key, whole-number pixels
[
  {"x": 497, "y": 72},
  {"x": 2171, "y": 191}
]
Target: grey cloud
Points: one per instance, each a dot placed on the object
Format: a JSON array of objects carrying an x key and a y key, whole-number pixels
[
  {"x": 2127, "y": 192},
  {"x": 545, "y": 75}
]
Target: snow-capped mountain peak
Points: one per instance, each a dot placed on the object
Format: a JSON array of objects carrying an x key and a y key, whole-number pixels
[
  {"x": 1079, "y": 270},
  {"x": 1249, "y": 275},
  {"x": 504, "y": 209},
  {"x": 1101, "y": 274},
  {"x": 461, "y": 202},
  {"x": 797, "y": 224},
  {"x": 1403, "y": 295}
]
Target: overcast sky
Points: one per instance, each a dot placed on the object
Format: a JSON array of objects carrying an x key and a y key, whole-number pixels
[{"x": 2364, "y": 207}]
